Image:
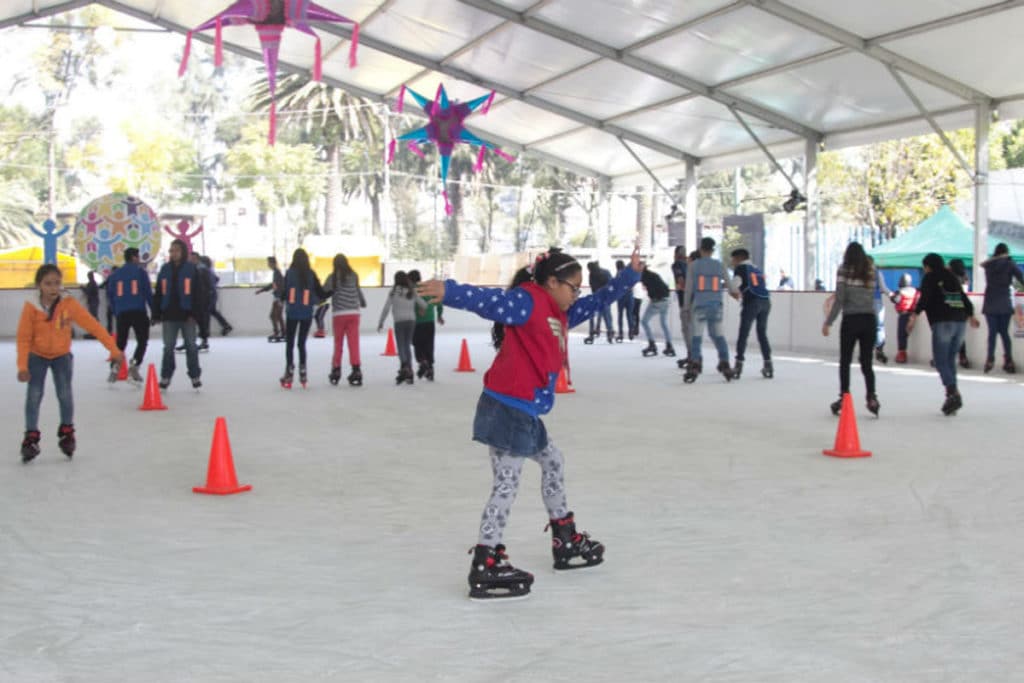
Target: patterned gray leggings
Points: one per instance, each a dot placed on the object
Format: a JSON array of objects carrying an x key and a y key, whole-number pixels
[{"x": 507, "y": 468}]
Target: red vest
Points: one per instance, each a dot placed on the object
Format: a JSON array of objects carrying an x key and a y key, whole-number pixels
[{"x": 531, "y": 354}]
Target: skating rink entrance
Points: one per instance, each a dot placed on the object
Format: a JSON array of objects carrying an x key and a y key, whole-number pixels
[{"x": 736, "y": 551}]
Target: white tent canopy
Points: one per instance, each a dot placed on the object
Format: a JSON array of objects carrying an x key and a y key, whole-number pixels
[{"x": 678, "y": 83}]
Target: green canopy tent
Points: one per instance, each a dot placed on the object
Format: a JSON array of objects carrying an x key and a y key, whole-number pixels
[{"x": 944, "y": 233}]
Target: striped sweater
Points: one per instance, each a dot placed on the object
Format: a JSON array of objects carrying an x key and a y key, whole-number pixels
[
  {"x": 853, "y": 296},
  {"x": 346, "y": 297}
]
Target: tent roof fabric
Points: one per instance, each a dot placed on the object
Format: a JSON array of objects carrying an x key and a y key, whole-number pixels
[
  {"x": 576, "y": 80},
  {"x": 944, "y": 233}
]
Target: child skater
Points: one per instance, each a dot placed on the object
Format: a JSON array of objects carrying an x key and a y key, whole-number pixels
[
  {"x": 425, "y": 332},
  {"x": 518, "y": 389},
  {"x": 905, "y": 299},
  {"x": 346, "y": 299},
  {"x": 301, "y": 289},
  {"x": 44, "y": 343},
  {"x": 404, "y": 304}
]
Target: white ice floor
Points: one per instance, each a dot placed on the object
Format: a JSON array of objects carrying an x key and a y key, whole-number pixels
[{"x": 736, "y": 551}]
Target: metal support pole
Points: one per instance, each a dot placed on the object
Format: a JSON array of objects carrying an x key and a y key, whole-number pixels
[
  {"x": 691, "y": 206},
  {"x": 983, "y": 118},
  {"x": 810, "y": 213}
]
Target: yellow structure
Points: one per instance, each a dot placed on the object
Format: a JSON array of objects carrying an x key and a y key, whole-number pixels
[
  {"x": 18, "y": 267},
  {"x": 366, "y": 267}
]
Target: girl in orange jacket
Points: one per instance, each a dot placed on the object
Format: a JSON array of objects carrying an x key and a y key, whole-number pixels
[{"x": 44, "y": 342}]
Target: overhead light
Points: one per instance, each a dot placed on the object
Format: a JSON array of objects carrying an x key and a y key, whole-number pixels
[{"x": 794, "y": 202}]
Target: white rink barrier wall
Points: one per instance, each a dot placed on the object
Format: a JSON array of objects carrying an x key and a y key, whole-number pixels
[{"x": 794, "y": 325}]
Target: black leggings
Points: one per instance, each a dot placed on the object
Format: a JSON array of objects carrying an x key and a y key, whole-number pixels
[
  {"x": 138, "y": 322},
  {"x": 303, "y": 328},
  {"x": 423, "y": 342},
  {"x": 859, "y": 328}
]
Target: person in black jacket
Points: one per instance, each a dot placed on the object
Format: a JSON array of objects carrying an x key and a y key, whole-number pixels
[
  {"x": 277, "y": 307},
  {"x": 598, "y": 278},
  {"x": 658, "y": 295},
  {"x": 948, "y": 309}
]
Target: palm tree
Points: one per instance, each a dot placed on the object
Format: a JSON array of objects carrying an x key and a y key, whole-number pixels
[
  {"x": 17, "y": 205},
  {"x": 346, "y": 129}
]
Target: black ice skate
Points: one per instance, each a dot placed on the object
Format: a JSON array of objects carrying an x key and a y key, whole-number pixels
[
  {"x": 133, "y": 373},
  {"x": 693, "y": 370},
  {"x": 429, "y": 372},
  {"x": 589, "y": 339},
  {"x": 115, "y": 370},
  {"x": 1008, "y": 366},
  {"x": 288, "y": 377},
  {"x": 492, "y": 577},
  {"x": 66, "y": 434},
  {"x": 880, "y": 356},
  {"x": 650, "y": 350},
  {"x": 30, "y": 446},
  {"x": 683, "y": 363},
  {"x": 611, "y": 338},
  {"x": 355, "y": 378},
  {"x": 768, "y": 371},
  {"x": 723, "y": 367},
  {"x": 165, "y": 382},
  {"x": 669, "y": 351},
  {"x": 197, "y": 383},
  {"x": 618, "y": 339},
  {"x": 572, "y": 549},
  {"x": 737, "y": 370},
  {"x": 303, "y": 379},
  {"x": 873, "y": 405},
  {"x": 404, "y": 375},
  {"x": 836, "y": 406},
  {"x": 953, "y": 403},
  {"x": 421, "y": 370},
  {"x": 335, "y": 376}
]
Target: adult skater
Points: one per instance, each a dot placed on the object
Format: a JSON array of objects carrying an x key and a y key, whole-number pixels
[
  {"x": 176, "y": 304},
  {"x": 948, "y": 309},
  {"x": 598, "y": 277},
  {"x": 276, "y": 286},
  {"x": 657, "y": 304},
  {"x": 518, "y": 389},
  {"x": 301, "y": 292},
  {"x": 625, "y": 308},
  {"x": 44, "y": 343},
  {"x": 855, "y": 298},
  {"x": 680, "y": 265},
  {"x": 997, "y": 306},
  {"x": 704, "y": 285},
  {"x": 752, "y": 291},
  {"x": 131, "y": 297}
]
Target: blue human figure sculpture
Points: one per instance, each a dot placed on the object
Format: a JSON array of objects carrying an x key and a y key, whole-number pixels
[
  {"x": 105, "y": 245},
  {"x": 49, "y": 236}
]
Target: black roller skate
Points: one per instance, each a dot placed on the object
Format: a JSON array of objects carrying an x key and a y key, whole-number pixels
[
  {"x": 335, "y": 376},
  {"x": 693, "y": 370},
  {"x": 723, "y": 367},
  {"x": 737, "y": 370},
  {"x": 66, "y": 434},
  {"x": 650, "y": 350},
  {"x": 768, "y": 371},
  {"x": 953, "y": 403},
  {"x": 355, "y": 378},
  {"x": 288, "y": 377},
  {"x": 836, "y": 406},
  {"x": 669, "y": 351},
  {"x": 429, "y": 373},
  {"x": 303, "y": 378},
  {"x": 492, "y": 577},
  {"x": 30, "y": 446},
  {"x": 568, "y": 545}
]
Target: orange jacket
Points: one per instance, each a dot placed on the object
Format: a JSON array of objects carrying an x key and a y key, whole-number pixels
[{"x": 52, "y": 338}]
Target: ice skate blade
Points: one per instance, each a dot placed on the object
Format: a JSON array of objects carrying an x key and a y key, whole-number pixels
[
  {"x": 585, "y": 565},
  {"x": 504, "y": 595}
]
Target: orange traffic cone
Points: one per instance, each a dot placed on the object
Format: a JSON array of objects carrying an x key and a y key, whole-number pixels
[
  {"x": 464, "y": 363},
  {"x": 847, "y": 440},
  {"x": 220, "y": 474},
  {"x": 122, "y": 372},
  {"x": 389, "y": 348},
  {"x": 562, "y": 385},
  {"x": 151, "y": 397}
]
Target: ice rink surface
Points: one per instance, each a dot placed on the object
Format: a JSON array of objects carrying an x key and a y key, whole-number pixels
[{"x": 736, "y": 551}]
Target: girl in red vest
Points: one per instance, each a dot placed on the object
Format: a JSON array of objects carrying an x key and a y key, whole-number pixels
[{"x": 518, "y": 389}]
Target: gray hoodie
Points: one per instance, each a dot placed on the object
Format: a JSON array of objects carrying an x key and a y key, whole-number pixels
[{"x": 402, "y": 307}]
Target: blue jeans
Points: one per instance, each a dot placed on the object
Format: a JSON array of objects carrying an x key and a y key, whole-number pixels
[
  {"x": 880, "y": 325},
  {"x": 754, "y": 310},
  {"x": 62, "y": 367},
  {"x": 710, "y": 315},
  {"x": 998, "y": 325},
  {"x": 947, "y": 336},
  {"x": 604, "y": 314},
  {"x": 188, "y": 333},
  {"x": 661, "y": 308}
]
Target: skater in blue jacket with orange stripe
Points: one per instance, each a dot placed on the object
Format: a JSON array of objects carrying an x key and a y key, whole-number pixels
[
  {"x": 178, "y": 304},
  {"x": 302, "y": 292},
  {"x": 749, "y": 287}
]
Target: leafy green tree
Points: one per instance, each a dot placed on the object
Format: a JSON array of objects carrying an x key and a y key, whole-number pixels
[{"x": 1012, "y": 146}]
